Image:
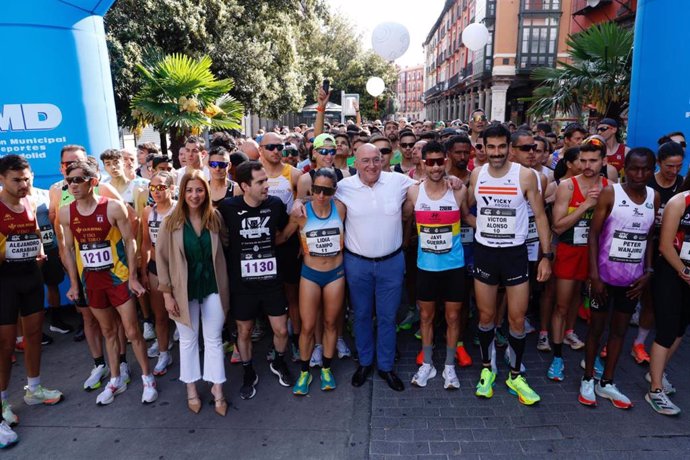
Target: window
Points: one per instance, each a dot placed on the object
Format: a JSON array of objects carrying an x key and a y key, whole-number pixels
[
  {"x": 538, "y": 42},
  {"x": 541, "y": 5}
]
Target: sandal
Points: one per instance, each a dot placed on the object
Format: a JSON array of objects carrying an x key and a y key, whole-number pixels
[
  {"x": 221, "y": 406},
  {"x": 194, "y": 404}
]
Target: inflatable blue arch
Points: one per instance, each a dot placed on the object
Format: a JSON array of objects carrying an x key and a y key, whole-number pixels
[{"x": 55, "y": 85}]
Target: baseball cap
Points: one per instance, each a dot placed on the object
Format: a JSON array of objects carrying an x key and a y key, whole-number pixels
[
  {"x": 448, "y": 132},
  {"x": 609, "y": 122},
  {"x": 321, "y": 139}
]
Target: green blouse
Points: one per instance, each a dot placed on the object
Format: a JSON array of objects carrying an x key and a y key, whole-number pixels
[{"x": 201, "y": 278}]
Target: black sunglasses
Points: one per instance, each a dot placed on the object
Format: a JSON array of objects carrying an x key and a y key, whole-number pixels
[
  {"x": 479, "y": 146},
  {"x": 683, "y": 144},
  {"x": 272, "y": 147},
  {"x": 385, "y": 151},
  {"x": 526, "y": 147},
  {"x": 602, "y": 129},
  {"x": 326, "y": 151},
  {"x": 317, "y": 189},
  {"x": 407, "y": 145},
  {"x": 430, "y": 162},
  {"x": 290, "y": 152},
  {"x": 77, "y": 179},
  {"x": 218, "y": 164}
]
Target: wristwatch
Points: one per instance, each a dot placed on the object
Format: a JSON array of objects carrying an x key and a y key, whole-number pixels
[{"x": 548, "y": 255}]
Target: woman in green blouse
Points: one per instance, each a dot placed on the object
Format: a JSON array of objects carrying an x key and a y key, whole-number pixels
[{"x": 193, "y": 278}]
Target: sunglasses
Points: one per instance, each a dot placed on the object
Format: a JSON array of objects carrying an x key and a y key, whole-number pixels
[
  {"x": 310, "y": 140},
  {"x": 290, "y": 152},
  {"x": 602, "y": 129},
  {"x": 683, "y": 144},
  {"x": 77, "y": 179},
  {"x": 272, "y": 147},
  {"x": 593, "y": 141},
  {"x": 218, "y": 164},
  {"x": 430, "y": 162},
  {"x": 158, "y": 188},
  {"x": 479, "y": 146},
  {"x": 326, "y": 151},
  {"x": 526, "y": 147},
  {"x": 318, "y": 189},
  {"x": 406, "y": 145},
  {"x": 67, "y": 163},
  {"x": 385, "y": 151},
  {"x": 479, "y": 118}
]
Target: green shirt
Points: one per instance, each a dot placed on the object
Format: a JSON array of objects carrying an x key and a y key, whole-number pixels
[
  {"x": 201, "y": 279},
  {"x": 396, "y": 158}
]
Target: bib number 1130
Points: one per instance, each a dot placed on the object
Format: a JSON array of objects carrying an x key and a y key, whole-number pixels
[{"x": 263, "y": 268}]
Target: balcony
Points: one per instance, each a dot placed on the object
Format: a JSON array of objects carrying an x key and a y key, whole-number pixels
[
  {"x": 454, "y": 80},
  {"x": 540, "y": 6},
  {"x": 582, "y": 7}
]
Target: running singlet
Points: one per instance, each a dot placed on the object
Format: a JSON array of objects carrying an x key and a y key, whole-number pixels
[
  {"x": 155, "y": 220},
  {"x": 281, "y": 187},
  {"x": 665, "y": 194},
  {"x": 42, "y": 200},
  {"x": 682, "y": 240},
  {"x": 578, "y": 233},
  {"x": 617, "y": 159},
  {"x": 439, "y": 247},
  {"x": 229, "y": 193},
  {"x": 19, "y": 240},
  {"x": 501, "y": 209},
  {"x": 252, "y": 254},
  {"x": 532, "y": 234},
  {"x": 100, "y": 251},
  {"x": 322, "y": 237},
  {"x": 623, "y": 238}
]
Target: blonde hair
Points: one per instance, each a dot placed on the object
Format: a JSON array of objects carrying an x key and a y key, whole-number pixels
[
  {"x": 166, "y": 176},
  {"x": 209, "y": 218}
]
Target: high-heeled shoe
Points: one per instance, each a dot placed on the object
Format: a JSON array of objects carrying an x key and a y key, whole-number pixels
[
  {"x": 194, "y": 404},
  {"x": 221, "y": 406}
]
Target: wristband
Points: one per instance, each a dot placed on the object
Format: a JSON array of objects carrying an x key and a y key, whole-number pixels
[{"x": 320, "y": 109}]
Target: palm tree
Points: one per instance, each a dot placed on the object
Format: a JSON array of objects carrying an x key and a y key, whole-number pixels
[
  {"x": 181, "y": 96},
  {"x": 598, "y": 75}
]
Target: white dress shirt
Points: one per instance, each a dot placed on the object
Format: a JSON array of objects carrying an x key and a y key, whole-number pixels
[{"x": 373, "y": 225}]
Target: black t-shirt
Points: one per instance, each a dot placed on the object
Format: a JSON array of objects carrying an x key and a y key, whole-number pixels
[{"x": 251, "y": 257}]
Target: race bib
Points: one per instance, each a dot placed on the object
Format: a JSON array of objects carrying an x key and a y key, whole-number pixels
[
  {"x": 154, "y": 226},
  {"x": 580, "y": 234},
  {"x": 96, "y": 257},
  {"x": 533, "y": 251},
  {"x": 47, "y": 235},
  {"x": 324, "y": 242},
  {"x": 22, "y": 248},
  {"x": 264, "y": 269},
  {"x": 685, "y": 251},
  {"x": 436, "y": 240},
  {"x": 627, "y": 247},
  {"x": 532, "y": 234},
  {"x": 466, "y": 235},
  {"x": 496, "y": 223}
]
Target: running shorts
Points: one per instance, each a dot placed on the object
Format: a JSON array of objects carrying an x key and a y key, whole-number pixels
[
  {"x": 443, "y": 286},
  {"x": 507, "y": 266},
  {"x": 572, "y": 262},
  {"x": 22, "y": 294},
  {"x": 53, "y": 273},
  {"x": 110, "y": 297},
  {"x": 616, "y": 301},
  {"x": 671, "y": 304},
  {"x": 247, "y": 307}
]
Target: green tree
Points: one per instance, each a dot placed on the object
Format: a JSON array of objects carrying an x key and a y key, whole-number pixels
[
  {"x": 181, "y": 96},
  {"x": 599, "y": 74}
]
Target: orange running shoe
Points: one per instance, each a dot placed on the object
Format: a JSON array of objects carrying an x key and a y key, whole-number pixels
[
  {"x": 463, "y": 358},
  {"x": 640, "y": 354}
]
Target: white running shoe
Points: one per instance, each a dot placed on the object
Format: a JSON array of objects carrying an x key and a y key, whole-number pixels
[
  {"x": 425, "y": 372},
  {"x": 573, "y": 340},
  {"x": 450, "y": 378},
  {"x": 165, "y": 360},
  {"x": 8, "y": 415},
  {"x": 587, "y": 395},
  {"x": 7, "y": 436},
  {"x": 612, "y": 393},
  {"x": 343, "y": 349},
  {"x": 543, "y": 343},
  {"x": 124, "y": 373},
  {"x": 107, "y": 396},
  {"x": 150, "y": 393},
  {"x": 98, "y": 373},
  {"x": 660, "y": 403},
  {"x": 153, "y": 350},
  {"x": 316, "y": 356},
  {"x": 149, "y": 331},
  {"x": 528, "y": 327},
  {"x": 668, "y": 388}
]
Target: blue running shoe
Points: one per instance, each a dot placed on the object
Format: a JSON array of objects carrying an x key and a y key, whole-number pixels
[
  {"x": 301, "y": 388},
  {"x": 556, "y": 370},
  {"x": 327, "y": 380},
  {"x": 598, "y": 367}
]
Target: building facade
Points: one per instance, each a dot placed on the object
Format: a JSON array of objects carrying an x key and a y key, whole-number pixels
[
  {"x": 523, "y": 34},
  {"x": 410, "y": 91},
  {"x": 586, "y": 13}
]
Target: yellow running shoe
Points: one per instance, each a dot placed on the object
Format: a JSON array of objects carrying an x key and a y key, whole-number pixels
[
  {"x": 518, "y": 386},
  {"x": 485, "y": 386}
]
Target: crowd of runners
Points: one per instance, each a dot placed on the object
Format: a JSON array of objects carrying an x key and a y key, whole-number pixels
[{"x": 475, "y": 231}]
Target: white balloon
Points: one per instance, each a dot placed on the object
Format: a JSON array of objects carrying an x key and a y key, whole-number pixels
[
  {"x": 390, "y": 40},
  {"x": 475, "y": 36},
  {"x": 375, "y": 86}
]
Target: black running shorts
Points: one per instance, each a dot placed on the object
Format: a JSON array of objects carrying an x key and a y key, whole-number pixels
[{"x": 506, "y": 266}]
